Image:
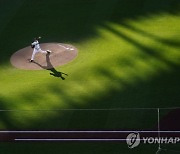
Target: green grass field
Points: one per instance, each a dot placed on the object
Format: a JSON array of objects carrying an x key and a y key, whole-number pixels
[{"x": 128, "y": 58}]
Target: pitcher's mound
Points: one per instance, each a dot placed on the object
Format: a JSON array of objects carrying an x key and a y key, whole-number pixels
[{"x": 60, "y": 54}]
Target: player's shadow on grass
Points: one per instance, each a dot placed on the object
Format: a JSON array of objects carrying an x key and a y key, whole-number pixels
[{"x": 50, "y": 67}]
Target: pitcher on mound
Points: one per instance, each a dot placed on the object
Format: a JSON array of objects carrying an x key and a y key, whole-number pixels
[{"x": 35, "y": 45}]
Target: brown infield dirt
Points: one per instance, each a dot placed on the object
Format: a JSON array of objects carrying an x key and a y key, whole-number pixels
[{"x": 60, "y": 54}]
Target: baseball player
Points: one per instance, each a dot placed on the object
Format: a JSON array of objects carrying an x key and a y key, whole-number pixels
[{"x": 35, "y": 45}]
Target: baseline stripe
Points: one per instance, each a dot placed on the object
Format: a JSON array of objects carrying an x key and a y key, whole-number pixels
[{"x": 70, "y": 139}]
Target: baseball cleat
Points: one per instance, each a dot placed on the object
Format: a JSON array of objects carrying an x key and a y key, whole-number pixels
[
  {"x": 48, "y": 51},
  {"x": 31, "y": 61}
]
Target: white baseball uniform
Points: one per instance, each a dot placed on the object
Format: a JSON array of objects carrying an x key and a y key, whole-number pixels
[{"x": 36, "y": 49}]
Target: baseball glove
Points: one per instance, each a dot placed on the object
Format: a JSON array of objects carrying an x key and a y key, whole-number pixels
[{"x": 32, "y": 46}]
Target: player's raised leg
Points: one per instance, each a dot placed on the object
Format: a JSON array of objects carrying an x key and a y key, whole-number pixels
[{"x": 47, "y": 51}]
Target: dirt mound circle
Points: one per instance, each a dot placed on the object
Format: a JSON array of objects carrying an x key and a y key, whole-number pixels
[{"x": 61, "y": 54}]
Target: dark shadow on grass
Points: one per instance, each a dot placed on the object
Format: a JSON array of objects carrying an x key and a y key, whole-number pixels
[
  {"x": 5, "y": 117},
  {"x": 51, "y": 68},
  {"x": 72, "y": 21},
  {"x": 160, "y": 91},
  {"x": 151, "y": 51},
  {"x": 166, "y": 41}
]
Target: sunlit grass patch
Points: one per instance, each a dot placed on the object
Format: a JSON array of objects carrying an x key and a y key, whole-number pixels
[{"x": 120, "y": 55}]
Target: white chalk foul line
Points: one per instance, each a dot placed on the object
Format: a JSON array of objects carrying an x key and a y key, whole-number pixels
[
  {"x": 67, "y": 48},
  {"x": 17, "y": 139}
]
